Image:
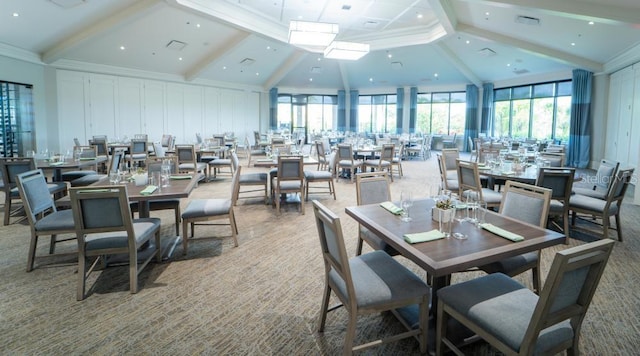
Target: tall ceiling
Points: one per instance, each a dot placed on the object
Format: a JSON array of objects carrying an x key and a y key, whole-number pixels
[{"x": 243, "y": 43}]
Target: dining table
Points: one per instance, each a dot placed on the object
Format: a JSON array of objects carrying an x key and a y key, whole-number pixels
[
  {"x": 444, "y": 256},
  {"x": 57, "y": 166},
  {"x": 273, "y": 162}
]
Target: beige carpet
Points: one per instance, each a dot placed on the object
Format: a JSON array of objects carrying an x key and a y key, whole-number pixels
[{"x": 261, "y": 298}]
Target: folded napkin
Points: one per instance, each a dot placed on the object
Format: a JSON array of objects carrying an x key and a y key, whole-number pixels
[
  {"x": 481, "y": 168},
  {"x": 423, "y": 236},
  {"x": 394, "y": 209},
  {"x": 502, "y": 232},
  {"x": 265, "y": 160},
  {"x": 87, "y": 158},
  {"x": 507, "y": 173},
  {"x": 148, "y": 190},
  {"x": 59, "y": 163},
  {"x": 180, "y": 177}
]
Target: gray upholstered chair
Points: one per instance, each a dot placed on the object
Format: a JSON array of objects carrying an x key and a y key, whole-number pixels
[
  {"x": 603, "y": 209},
  {"x": 345, "y": 161},
  {"x": 449, "y": 141},
  {"x": 451, "y": 184},
  {"x": 449, "y": 158},
  {"x": 187, "y": 162},
  {"x": 255, "y": 179},
  {"x": 560, "y": 181},
  {"x": 515, "y": 320},
  {"x": 288, "y": 180},
  {"x": 530, "y": 204},
  {"x": 372, "y": 188},
  {"x": 419, "y": 149},
  {"x": 215, "y": 166},
  {"x": 321, "y": 152},
  {"x": 138, "y": 151},
  {"x": 81, "y": 152},
  {"x": 115, "y": 160},
  {"x": 104, "y": 227},
  {"x": 203, "y": 211},
  {"x": 10, "y": 168},
  {"x": 469, "y": 184},
  {"x": 599, "y": 184},
  {"x": 312, "y": 177},
  {"x": 366, "y": 284},
  {"x": 44, "y": 218},
  {"x": 384, "y": 162}
]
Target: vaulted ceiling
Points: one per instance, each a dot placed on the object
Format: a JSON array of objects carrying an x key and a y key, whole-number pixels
[{"x": 243, "y": 43}]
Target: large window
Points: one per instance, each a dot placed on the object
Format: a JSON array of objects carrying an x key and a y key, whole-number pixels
[
  {"x": 322, "y": 112},
  {"x": 540, "y": 111},
  {"x": 377, "y": 113},
  {"x": 307, "y": 113},
  {"x": 441, "y": 113}
]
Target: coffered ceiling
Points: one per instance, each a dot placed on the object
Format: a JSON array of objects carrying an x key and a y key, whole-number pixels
[{"x": 243, "y": 43}]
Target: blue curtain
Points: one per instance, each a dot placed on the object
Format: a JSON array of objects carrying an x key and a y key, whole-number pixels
[
  {"x": 273, "y": 108},
  {"x": 353, "y": 113},
  {"x": 342, "y": 111},
  {"x": 580, "y": 126},
  {"x": 486, "y": 121},
  {"x": 471, "y": 122},
  {"x": 413, "y": 109},
  {"x": 399, "y": 109}
]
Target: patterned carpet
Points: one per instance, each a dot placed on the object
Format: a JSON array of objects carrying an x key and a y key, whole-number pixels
[{"x": 261, "y": 298}]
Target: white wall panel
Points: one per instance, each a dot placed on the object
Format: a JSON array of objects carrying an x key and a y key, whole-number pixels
[
  {"x": 175, "y": 113},
  {"x": 103, "y": 103},
  {"x": 211, "y": 122},
  {"x": 130, "y": 110},
  {"x": 73, "y": 108},
  {"x": 193, "y": 112},
  {"x": 155, "y": 109}
]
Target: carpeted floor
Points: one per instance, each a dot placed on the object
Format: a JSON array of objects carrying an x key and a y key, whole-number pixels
[{"x": 261, "y": 298}]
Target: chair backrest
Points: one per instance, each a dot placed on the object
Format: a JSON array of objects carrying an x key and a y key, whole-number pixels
[
  {"x": 559, "y": 180},
  {"x": 235, "y": 186},
  {"x": 388, "y": 150},
  {"x": 290, "y": 168},
  {"x": 605, "y": 174},
  {"x": 526, "y": 202},
  {"x": 144, "y": 137},
  {"x": 101, "y": 146},
  {"x": 449, "y": 156},
  {"x": 334, "y": 253},
  {"x": 468, "y": 177},
  {"x": 345, "y": 152},
  {"x": 186, "y": 154},
  {"x": 76, "y": 142},
  {"x": 86, "y": 151},
  {"x": 235, "y": 162},
  {"x": 138, "y": 146},
  {"x": 165, "y": 141},
  {"x": 11, "y": 167},
  {"x": 322, "y": 155},
  {"x": 372, "y": 187},
  {"x": 618, "y": 188},
  {"x": 116, "y": 160},
  {"x": 159, "y": 150},
  {"x": 277, "y": 140},
  {"x": 569, "y": 288},
  {"x": 35, "y": 195},
  {"x": 198, "y": 138},
  {"x": 101, "y": 209}
]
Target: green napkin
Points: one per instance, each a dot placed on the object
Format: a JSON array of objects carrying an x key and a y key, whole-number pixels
[
  {"x": 180, "y": 177},
  {"x": 423, "y": 236},
  {"x": 502, "y": 232},
  {"x": 391, "y": 207},
  {"x": 148, "y": 190},
  {"x": 87, "y": 158}
]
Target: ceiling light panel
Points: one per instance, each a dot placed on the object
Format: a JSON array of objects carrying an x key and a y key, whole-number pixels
[
  {"x": 346, "y": 50},
  {"x": 312, "y": 33},
  {"x": 68, "y": 3}
]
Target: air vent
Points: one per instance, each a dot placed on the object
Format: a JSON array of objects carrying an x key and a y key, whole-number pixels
[
  {"x": 370, "y": 25},
  {"x": 316, "y": 70},
  {"x": 176, "y": 45},
  {"x": 396, "y": 65},
  {"x": 520, "y": 71},
  {"x": 528, "y": 20},
  {"x": 66, "y": 4},
  {"x": 486, "y": 52},
  {"x": 247, "y": 62}
]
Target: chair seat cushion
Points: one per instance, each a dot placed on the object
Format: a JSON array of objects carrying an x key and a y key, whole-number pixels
[
  {"x": 189, "y": 166},
  {"x": 491, "y": 196},
  {"x": 503, "y": 307},
  {"x": 594, "y": 193},
  {"x": 291, "y": 185},
  {"x": 379, "y": 279},
  {"x": 317, "y": 175},
  {"x": 253, "y": 178},
  {"x": 376, "y": 242},
  {"x": 579, "y": 201},
  {"x": 376, "y": 163},
  {"x": 556, "y": 208},
  {"x": 207, "y": 159},
  {"x": 512, "y": 265},
  {"x": 87, "y": 180},
  {"x": 220, "y": 162},
  {"x": 142, "y": 228},
  {"x": 349, "y": 163},
  {"x": 199, "y": 208},
  {"x": 137, "y": 156},
  {"x": 58, "y": 221}
]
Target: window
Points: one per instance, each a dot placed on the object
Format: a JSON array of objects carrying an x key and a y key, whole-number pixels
[
  {"x": 541, "y": 111},
  {"x": 441, "y": 113},
  {"x": 307, "y": 113},
  {"x": 377, "y": 113}
]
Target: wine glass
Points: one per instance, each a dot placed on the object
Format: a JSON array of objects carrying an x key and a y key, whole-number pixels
[{"x": 406, "y": 201}]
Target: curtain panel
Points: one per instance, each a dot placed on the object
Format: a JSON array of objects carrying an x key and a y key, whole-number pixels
[
  {"x": 486, "y": 121},
  {"x": 399, "y": 109},
  {"x": 471, "y": 122},
  {"x": 413, "y": 109},
  {"x": 273, "y": 109},
  {"x": 580, "y": 127},
  {"x": 342, "y": 111},
  {"x": 353, "y": 112}
]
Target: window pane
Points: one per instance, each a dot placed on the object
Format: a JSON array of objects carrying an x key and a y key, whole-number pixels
[
  {"x": 459, "y": 97},
  {"x": 501, "y": 127},
  {"x": 522, "y": 92},
  {"x": 520, "y": 118},
  {"x": 543, "y": 90},
  {"x": 314, "y": 116},
  {"x": 284, "y": 115},
  {"x": 441, "y": 97},
  {"x": 564, "y": 88},
  {"x": 502, "y": 94},
  {"x": 457, "y": 118},
  {"x": 542, "y": 121},
  {"x": 424, "y": 98},
  {"x": 440, "y": 118},
  {"x": 391, "y": 118},
  {"x": 423, "y": 123},
  {"x": 563, "y": 118}
]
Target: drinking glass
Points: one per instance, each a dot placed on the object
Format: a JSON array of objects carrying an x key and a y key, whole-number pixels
[
  {"x": 471, "y": 207},
  {"x": 114, "y": 177},
  {"x": 481, "y": 211},
  {"x": 406, "y": 201},
  {"x": 445, "y": 220}
]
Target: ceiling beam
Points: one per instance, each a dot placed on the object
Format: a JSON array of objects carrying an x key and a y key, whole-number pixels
[
  {"x": 542, "y": 51},
  {"x": 290, "y": 63},
  {"x": 193, "y": 72},
  {"x": 135, "y": 11},
  {"x": 575, "y": 9},
  {"x": 458, "y": 63},
  {"x": 445, "y": 14}
]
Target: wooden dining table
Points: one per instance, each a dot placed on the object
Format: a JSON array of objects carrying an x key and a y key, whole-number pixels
[
  {"x": 440, "y": 258},
  {"x": 56, "y": 167}
]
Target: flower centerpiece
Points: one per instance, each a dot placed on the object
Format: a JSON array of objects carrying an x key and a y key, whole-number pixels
[{"x": 443, "y": 206}]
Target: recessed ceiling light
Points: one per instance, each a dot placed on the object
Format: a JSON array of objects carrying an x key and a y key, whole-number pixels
[
  {"x": 435, "y": 75},
  {"x": 198, "y": 25},
  {"x": 310, "y": 79},
  {"x": 486, "y": 13},
  {"x": 179, "y": 58},
  {"x": 122, "y": 48},
  {"x": 15, "y": 14},
  {"x": 508, "y": 64},
  {"x": 224, "y": 67},
  {"x": 257, "y": 73},
  {"x": 573, "y": 43},
  {"x": 389, "y": 55},
  {"x": 591, "y": 23},
  {"x": 419, "y": 15},
  {"x": 467, "y": 42},
  {"x": 371, "y": 79},
  {"x": 268, "y": 48}
]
